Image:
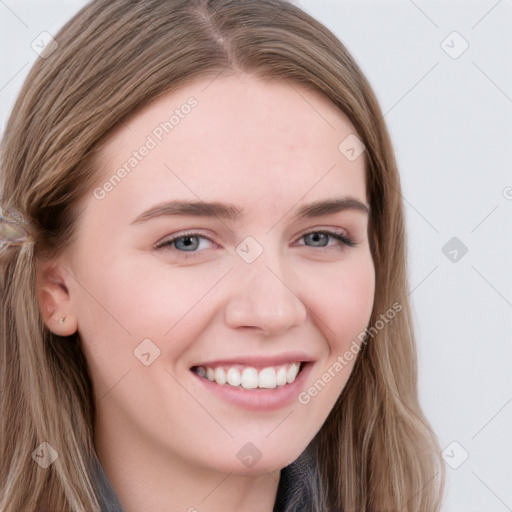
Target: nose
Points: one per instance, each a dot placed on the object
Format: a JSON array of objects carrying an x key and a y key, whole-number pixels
[{"x": 261, "y": 298}]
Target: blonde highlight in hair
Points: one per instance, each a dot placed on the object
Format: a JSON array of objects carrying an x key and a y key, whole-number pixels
[{"x": 376, "y": 451}]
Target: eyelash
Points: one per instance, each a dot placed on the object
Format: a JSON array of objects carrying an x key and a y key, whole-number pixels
[{"x": 344, "y": 239}]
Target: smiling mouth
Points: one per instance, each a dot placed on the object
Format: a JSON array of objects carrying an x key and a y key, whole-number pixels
[{"x": 249, "y": 377}]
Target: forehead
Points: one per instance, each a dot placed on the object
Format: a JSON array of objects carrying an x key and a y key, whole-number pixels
[{"x": 239, "y": 138}]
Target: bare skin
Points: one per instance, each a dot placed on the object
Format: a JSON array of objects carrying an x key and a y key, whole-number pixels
[{"x": 166, "y": 441}]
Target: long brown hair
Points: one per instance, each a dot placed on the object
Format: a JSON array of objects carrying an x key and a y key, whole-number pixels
[{"x": 376, "y": 451}]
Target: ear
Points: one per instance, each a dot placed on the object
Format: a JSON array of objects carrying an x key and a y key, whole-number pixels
[{"x": 54, "y": 299}]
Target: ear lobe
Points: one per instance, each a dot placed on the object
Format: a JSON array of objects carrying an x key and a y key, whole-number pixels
[{"x": 54, "y": 300}]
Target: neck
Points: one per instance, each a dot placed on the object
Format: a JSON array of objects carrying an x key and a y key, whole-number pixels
[{"x": 142, "y": 480}]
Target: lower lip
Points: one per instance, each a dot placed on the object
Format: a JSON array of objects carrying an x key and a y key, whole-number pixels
[{"x": 259, "y": 399}]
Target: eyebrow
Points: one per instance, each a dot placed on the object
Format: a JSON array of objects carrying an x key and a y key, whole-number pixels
[{"x": 233, "y": 212}]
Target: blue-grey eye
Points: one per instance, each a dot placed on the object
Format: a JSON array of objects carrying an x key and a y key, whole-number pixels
[
  {"x": 190, "y": 243},
  {"x": 318, "y": 238}
]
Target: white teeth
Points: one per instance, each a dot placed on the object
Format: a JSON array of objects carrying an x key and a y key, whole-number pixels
[
  {"x": 233, "y": 377},
  {"x": 281, "y": 376},
  {"x": 267, "y": 378},
  {"x": 249, "y": 377},
  {"x": 292, "y": 372},
  {"x": 220, "y": 375}
]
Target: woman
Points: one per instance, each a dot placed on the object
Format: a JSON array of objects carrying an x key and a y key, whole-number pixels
[{"x": 204, "y": 296}]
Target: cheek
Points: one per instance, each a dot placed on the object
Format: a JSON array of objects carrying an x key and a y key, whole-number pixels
[
  {"x": 138, "y": 297},
  {"x": 346, "y": 302},
  {"x": 120, "y": 308},
  {"x": 343, "y": 310},
  {"x": 162, "y": 299}
]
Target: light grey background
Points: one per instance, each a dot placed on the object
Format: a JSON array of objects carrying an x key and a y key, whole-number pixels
[{"x": 450, "y": 118}]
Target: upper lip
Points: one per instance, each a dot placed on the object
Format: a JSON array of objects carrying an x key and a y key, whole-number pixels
[{"x": 260, "y": 361}]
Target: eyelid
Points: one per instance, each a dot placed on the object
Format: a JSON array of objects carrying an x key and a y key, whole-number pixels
[
  {"x": 182, "y": 234},
  {"x": 338, "y": 234}
]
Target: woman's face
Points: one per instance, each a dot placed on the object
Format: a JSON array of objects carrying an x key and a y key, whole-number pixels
[{"x": 168, "y": 293}]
